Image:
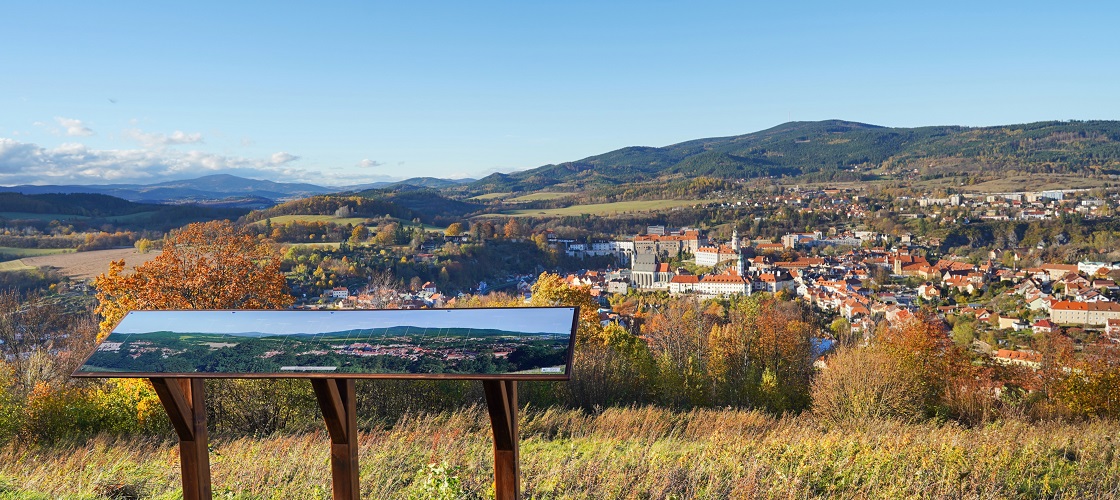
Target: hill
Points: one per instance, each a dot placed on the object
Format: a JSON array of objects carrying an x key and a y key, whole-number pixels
[
  {"x": 405, "y": 202},
  {"x": 219, "y": 189},
  {"x": 86, "y": 210},
  {"x": 840, "y": 150},
  {"x": 420, "y": 182}
]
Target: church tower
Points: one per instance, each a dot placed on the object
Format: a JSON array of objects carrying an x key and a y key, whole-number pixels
[{"x": 735, "y": 247}]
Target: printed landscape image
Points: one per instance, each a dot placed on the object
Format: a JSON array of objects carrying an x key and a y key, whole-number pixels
[{"x": 463, "y": 342}]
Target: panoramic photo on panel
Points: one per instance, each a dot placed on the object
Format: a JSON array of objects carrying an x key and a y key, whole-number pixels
[{"x": 458, "y": 342}]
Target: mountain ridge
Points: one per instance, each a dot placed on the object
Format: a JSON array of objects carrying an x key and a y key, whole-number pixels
[{"x": 831, "y": 150}]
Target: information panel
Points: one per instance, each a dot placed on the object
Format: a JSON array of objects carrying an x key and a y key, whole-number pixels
[{"x": 526, "y": 343}]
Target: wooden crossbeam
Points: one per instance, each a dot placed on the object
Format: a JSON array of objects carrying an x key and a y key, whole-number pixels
[
  {"x": 501, "y": 404},
  {"x": 336, "y": 400},
  {"x": 185, "y": 402}
]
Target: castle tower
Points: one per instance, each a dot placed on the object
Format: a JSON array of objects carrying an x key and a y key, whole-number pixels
[{"x": 735, "y": 239}]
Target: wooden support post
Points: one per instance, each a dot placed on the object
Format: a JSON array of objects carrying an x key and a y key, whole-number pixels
[
  {"x": 185, "y": 402},
  {"x": 501, "y": 402},
  {"x": 336, "y": 399}
]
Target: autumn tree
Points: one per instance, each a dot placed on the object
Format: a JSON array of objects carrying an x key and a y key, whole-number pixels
[
  {"x": 208, "y": 265},
  {"x": 678, "y": 340},
  {"x": 455, "y": 229},
  {"x": 359, "y": 234},
  {"x": 911, "y": 370},
  {"x": 763, "y": 355},
  {"x": 143, "y": 245},
  {"x": 514, "y": 228}
]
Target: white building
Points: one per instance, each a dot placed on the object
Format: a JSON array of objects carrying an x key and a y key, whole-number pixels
[
  {"x": 621, "y": 250},
  {"x": 724, "y": 284}
]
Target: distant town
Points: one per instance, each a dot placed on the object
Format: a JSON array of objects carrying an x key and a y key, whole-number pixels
[{"x": 860, "y": 275}]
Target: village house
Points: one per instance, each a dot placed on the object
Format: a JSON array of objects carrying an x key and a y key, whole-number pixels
[{"x": 1029, "y": 359}]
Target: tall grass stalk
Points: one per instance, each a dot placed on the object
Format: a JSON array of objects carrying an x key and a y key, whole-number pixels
[{"x": 625, "y": 453}]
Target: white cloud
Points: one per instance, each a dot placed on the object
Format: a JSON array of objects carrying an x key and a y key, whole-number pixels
[
  {"x": 368, "y": 163},
  {"x": 74, "y": 127},
  {"x": 283, "y": 157},
  {"x": 155, "y": 140},
  {"x": 73, "y": 163}
]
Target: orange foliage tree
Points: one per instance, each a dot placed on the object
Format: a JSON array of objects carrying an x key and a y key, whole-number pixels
[
  {"x": 208, "y": 265},
  {"x": 763, "y": 355}
]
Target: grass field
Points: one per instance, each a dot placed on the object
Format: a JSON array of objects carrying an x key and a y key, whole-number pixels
[
  {"x": 604, "y": 208},
  {"x": 14, "y": 265},
  {"x": 32, "y": 252},
  {"x": 489, "y": 196},
  {"x": 619, "y": 453},
  {"x": 539, "y": 197}
]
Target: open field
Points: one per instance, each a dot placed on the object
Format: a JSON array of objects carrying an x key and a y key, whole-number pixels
[
  {"x": 619, "y": 453},
  {"x": 14, "y": 265},
  {"x": 1038, "y": 182},
  {"x": 32, "y": 252},
  {"x": 83, "y": 265},
  {"x": 489, "y": 196},
  {"x": 604, "y": 208},
  {"x": 539, "y": 197}
]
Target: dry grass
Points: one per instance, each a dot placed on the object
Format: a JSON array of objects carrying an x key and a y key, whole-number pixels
[
  {"x": 89, "y": 264},
  {"x": 620, "y": 453}
]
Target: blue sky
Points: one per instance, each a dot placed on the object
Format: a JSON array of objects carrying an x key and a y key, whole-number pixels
[
  {"x": 533, "y": 320},
  {"x": 345, "y": 93}
]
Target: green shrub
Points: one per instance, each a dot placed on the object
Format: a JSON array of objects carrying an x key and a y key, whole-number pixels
[{"x": 438, "y": 482}]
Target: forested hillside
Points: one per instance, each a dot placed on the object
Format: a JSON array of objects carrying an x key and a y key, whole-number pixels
[
  {"x": 841, "y": 150},
  {"x": 408, "y": 204}
]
